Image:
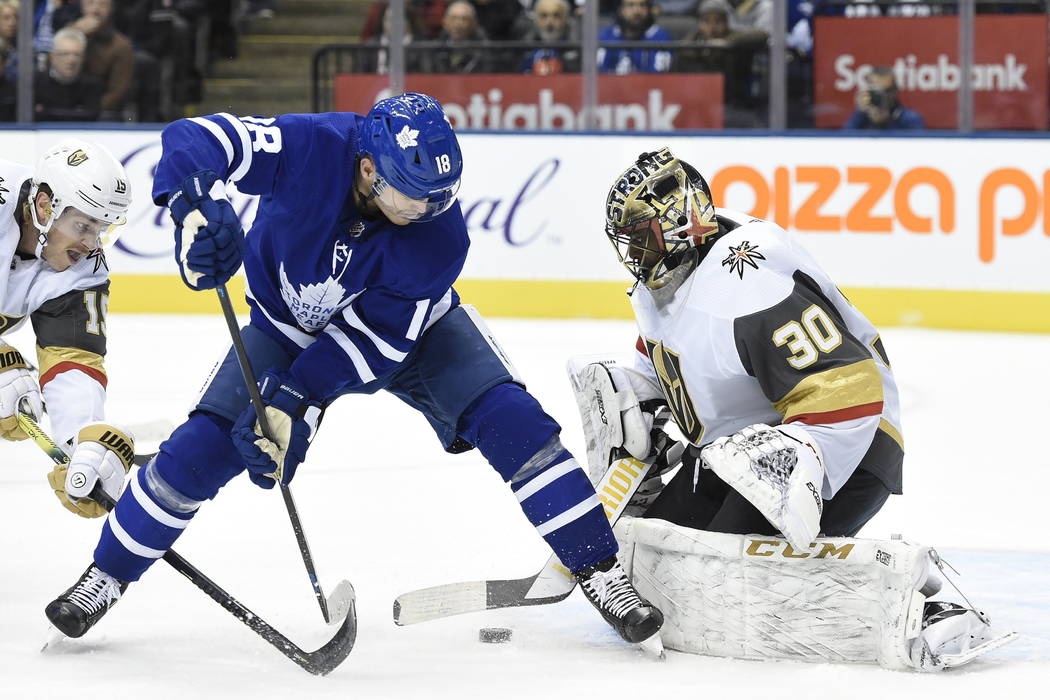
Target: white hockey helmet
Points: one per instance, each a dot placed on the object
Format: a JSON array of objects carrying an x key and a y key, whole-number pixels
[{"x": 84, "y": 176}]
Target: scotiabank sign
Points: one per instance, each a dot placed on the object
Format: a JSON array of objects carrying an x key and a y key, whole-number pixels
[
  {"x": 1009, "y": 72},
  {"x": 661, "y": 102}
]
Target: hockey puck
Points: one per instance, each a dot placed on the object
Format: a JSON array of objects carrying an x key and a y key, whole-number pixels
[{"x": 494, "y": 635}]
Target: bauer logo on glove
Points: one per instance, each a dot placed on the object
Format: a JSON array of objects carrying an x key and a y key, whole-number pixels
[{"x": 291, "y": 418}]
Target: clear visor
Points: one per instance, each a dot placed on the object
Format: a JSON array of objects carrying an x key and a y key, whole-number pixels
[
  {"x": 87, "y": 229},
  {"x": 397, "y": 204}
]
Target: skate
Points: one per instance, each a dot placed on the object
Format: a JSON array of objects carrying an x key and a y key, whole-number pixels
[
  {"x": 79, "y": 608},
  {"x": 610, "y": 591},
  {"x": 953, "y": 636}
]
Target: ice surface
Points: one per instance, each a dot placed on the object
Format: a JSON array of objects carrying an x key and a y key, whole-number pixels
[{"x": 383, "y": 506}]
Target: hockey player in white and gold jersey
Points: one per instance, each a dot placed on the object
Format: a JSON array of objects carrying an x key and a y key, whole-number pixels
[
  {"x": 54, "y": 223},
  {"x": 785, "y": 394},
  {"x": 781, "y": 385}
]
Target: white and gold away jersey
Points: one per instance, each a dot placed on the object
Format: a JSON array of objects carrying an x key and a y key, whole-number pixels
[
  {"x": 758, "y": 333},
  {"x": 67, "y": 310}
]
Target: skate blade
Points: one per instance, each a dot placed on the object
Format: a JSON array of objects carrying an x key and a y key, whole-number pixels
[
  {"x": 653, "y": 647},
  {"x": 54, "y": 640},
  {"x": 956, "y": 660}
]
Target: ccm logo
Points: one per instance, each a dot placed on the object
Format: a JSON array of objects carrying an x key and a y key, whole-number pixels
[{"x": 769, "y": 548}]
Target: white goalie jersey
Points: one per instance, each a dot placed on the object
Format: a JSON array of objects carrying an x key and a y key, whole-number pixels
[
  {"x": 758, "y": 333},
  {"x": 67, "y": 310}
]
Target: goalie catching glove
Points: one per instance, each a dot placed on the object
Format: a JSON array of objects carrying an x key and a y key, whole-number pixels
[
  {"x": 209, "y": 239},
  {"x": 780, "y": 470},
  {"x": 17, "y": 385},
  {"x": 292, "y": 416},
  {"x": 102, "y": 455}
]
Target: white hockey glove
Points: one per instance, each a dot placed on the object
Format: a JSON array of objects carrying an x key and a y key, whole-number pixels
[
  {"x": 780, "y": 470},
  {"x": 103, "y": 455},
  {"x": 17, "y": 386},
  {"x": 613, "y": 417}
]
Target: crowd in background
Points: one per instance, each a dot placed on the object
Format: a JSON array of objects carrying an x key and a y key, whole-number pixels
[
  {"x": 115, "y": 60},
  {"x": 144, "y": 60}
]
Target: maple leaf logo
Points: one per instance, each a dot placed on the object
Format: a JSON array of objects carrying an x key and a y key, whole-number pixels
[
  {"x": 312, "y": 304},
  {"x": 744, "y": 254},
  {"x": 406, "y": 138}
]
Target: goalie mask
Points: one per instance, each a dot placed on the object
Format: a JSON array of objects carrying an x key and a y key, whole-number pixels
[
  {"x": 657, "y": 211},
  {"x": 82, "y": 176}
]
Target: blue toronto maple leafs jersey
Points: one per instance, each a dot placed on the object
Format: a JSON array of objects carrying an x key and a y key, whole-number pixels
[{"x": 350, "y": 295}]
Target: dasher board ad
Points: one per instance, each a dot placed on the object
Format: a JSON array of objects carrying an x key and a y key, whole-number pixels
[{"x": 908, "y": 213}]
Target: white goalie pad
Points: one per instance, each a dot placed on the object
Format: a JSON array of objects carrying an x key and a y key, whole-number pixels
[
  {"x": 609, "y": 411},
  {"x": 840, "y": 599}
]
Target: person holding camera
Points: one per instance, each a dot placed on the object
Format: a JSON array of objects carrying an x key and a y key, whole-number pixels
[{"x": 878, "y": 106}]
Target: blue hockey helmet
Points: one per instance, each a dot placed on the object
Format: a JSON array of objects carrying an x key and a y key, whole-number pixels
[{"x": 416, "y": 153}]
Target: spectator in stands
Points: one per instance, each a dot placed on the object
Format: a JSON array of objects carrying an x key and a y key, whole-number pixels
[
  {"x": 51, "y": 15},
  {"x": 425, "y": 18},
  {"x": 501, "y": 20},
  {"x": 109, "y": 55},
  {"x": 721, "y": 50},
  {"x": 460, "y": 25},
  {"x": 751, "y": 15},
  {"x": 8, "y": 58},
  {"x": 378, "y": 60},
  {"x": 635, "y": 21},
  {"x": 878, "y": 106},
  {"x": 62, "y": 92},
  {"x": 9, "y": 39},
  {"x": 552, "y": 21}
]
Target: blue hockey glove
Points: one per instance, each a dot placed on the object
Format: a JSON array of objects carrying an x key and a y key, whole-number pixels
[
  {"x": 209, "y": 239},
  {"x": 292, "y": 417}
]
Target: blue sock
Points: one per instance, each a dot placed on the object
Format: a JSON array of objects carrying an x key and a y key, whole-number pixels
[
  {"x": 163, "y": 496},
  {"x": 521, "y": 442}
]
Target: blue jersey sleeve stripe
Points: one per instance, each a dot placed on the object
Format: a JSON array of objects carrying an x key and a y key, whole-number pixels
[
  {"x": 387, "y": 350},
  {"x": 246, "y": 145},
  {"x": 220, "y": 136},
  {"x": 352, "y": 351},
  {"x": 422, "y": 306}
]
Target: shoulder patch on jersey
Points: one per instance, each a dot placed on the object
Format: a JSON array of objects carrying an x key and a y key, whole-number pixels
[
  {"x": 741, "y": 255},
  {"x": 3, "y": 191}
]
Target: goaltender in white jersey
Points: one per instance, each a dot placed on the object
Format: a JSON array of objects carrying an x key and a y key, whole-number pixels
[
  {"x": 55, "y": 221},
  {"x": 784, "y": 392}
]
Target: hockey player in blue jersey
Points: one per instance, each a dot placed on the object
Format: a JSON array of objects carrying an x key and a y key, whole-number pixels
[{"x": 350, "y": 265}]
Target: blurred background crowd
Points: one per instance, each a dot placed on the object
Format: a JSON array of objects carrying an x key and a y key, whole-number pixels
[{"x": 157, "y": 60}]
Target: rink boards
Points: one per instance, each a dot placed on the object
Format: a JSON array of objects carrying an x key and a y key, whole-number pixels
[{"x": 944, "y": 232}]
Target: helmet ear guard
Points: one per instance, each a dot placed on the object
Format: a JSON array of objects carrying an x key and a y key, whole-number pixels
[{"x": 657, "y": 213}]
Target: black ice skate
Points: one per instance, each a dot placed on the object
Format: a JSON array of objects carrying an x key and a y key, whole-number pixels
[
  {"x": 610, "y": 591},
  {"x": 78, "y": 609}
]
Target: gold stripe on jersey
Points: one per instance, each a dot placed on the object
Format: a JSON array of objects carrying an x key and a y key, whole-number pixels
[
  {"x": 837, "y": 394},
  {"x": 55, "y": 360},
  {"x": 888, "y": 428}
]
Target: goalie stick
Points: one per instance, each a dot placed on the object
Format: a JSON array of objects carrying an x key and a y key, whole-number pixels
[
  {"x": 550, "y": 584},
  {"x": 320, "y": 662}
]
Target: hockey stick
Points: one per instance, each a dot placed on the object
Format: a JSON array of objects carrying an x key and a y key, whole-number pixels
[
  {"x": 319, "y": 662},
  {"x": 331, "y": 607},
  {"x": 550, "y": 584}
]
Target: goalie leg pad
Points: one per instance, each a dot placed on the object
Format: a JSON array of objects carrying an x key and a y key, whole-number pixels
[{"x": 838, "y": 599}]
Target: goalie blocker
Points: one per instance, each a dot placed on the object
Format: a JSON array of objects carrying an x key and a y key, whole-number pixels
[{"x": 839, "y": 599}]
